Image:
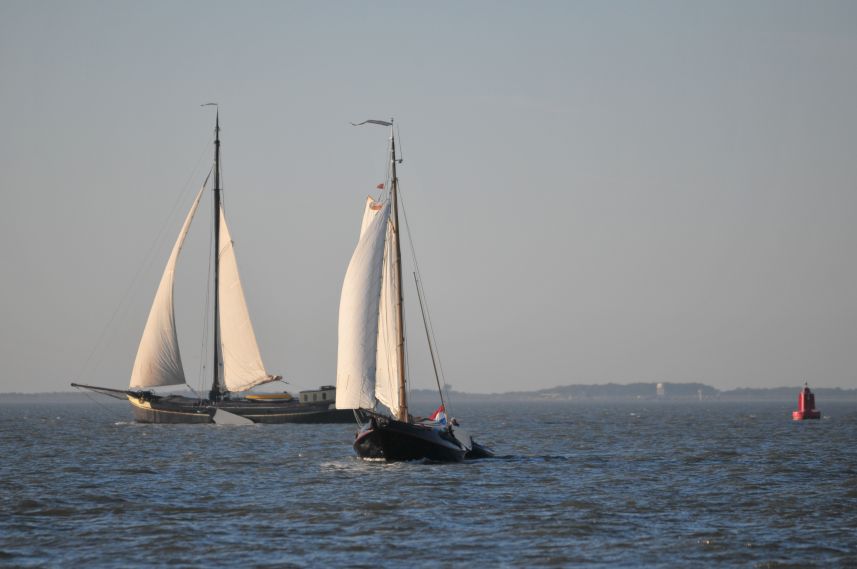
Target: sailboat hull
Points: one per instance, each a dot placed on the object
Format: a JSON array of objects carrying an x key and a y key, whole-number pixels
[
  {"x": 184, "y": 410},
  {"x": 392, "y": 441}
]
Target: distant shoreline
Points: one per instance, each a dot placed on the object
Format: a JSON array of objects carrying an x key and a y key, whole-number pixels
[{"x": 676, "y": 392}]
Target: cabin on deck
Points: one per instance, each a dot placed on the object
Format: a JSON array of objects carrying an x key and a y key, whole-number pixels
[{"x": 326, "y": 394}]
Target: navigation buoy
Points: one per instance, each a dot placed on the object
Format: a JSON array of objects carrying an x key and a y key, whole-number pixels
[{"x": 806, "y": 406}]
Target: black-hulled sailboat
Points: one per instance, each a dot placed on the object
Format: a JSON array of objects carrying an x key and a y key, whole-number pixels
[
  {"x": 371, "y": 357},
  {"x": 236, "y": 361}
]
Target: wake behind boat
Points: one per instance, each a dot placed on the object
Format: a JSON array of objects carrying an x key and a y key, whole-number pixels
[
  {"x": 371, "y": 360},
  {"x": 236, "y": 362}
]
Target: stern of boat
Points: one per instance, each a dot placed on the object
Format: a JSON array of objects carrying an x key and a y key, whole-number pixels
[{"x": 392, "y": 441}]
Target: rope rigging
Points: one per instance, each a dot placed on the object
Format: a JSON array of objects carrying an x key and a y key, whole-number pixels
[
  {"x": 120, "y": 311},
  {"x": 426, "y": 313},
  {"x": 206, "y": 310}
]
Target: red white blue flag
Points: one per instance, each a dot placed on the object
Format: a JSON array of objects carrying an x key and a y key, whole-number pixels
[{"x": 439, "y": 416}]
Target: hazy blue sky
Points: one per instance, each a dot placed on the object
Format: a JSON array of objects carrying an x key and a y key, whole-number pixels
[{"x": 599, "y": 191}]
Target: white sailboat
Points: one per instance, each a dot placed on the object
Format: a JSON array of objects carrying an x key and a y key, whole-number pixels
[
  {"x": 371, "y": 352},
  {"x": 237, "y": 363}
]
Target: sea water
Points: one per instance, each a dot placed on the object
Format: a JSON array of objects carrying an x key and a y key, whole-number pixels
[{"x": 643, "y": 484}]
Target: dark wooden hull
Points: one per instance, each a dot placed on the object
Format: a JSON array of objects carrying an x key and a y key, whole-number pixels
[
  {"x": 390, "y": 440},
  {"x": 184, "y": 410}
]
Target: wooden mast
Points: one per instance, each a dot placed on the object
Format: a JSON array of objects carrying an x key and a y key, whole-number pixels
[
  {"x": 400, "y": 341},
  {"x": 216, "y": 393}
]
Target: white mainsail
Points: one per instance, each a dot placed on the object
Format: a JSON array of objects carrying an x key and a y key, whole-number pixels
[
  {"x": 242, "y": 362},
  {"x": 158, "y": 360},
  {"x": 388, "y": 366},
  {"x": 359, "y": 310}
]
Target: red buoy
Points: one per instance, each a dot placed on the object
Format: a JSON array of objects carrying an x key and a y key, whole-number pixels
[{"x": 806, "y": 406}]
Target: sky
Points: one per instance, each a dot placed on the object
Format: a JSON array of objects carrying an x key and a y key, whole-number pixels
[{"x": 598, "y": 191}]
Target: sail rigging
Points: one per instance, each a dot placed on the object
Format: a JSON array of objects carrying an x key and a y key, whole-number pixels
[
  {"x": 388, "y": 366},
  {"x": 227, "y": 332},
  {"x": 371, "y": 360},
  {"x": 158, "y": 360},
  {"x": 371, "y": 363},
  {"x": 358, "y": 312},
  {"x": 242, "y": 362}
]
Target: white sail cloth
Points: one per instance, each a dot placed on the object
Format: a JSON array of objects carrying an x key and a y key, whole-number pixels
[
  {"x": 158, "y": 360},
  {"x": 242, "y": 362},
  {"x": 387, "y": 364},
  {"x": 359, "y": 312}
]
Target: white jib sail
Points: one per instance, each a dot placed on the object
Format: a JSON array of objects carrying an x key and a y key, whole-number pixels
[
  {"x": 388, "y": 365},
  {"x": 358, "y": 312},
  {"x": 158, "y": 361},
  {"x": 242, "y": 362}
]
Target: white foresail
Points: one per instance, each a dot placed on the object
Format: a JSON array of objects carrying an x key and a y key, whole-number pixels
[
  {"x": 358, "y": 312},
  {"x": 158, "y": 361},
  {"x": 242, "y": 362},
  {"x": 388, "y": 365}
]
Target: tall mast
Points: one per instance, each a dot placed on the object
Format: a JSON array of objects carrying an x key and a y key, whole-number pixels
[
  {"x": 216, "y": 393},
  {"x": 400, "y": 341}
]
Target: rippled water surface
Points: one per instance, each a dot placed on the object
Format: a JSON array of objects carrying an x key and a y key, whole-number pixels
[{"x": 613, "y": 485}]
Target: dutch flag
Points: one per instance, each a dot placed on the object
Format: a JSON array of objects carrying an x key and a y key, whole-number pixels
[{"x": 439, "y": 416}]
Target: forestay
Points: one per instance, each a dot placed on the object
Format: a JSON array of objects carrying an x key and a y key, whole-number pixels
[
  {"x": 359, "y": 310},
  {"x": 158, "y": 360}
]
